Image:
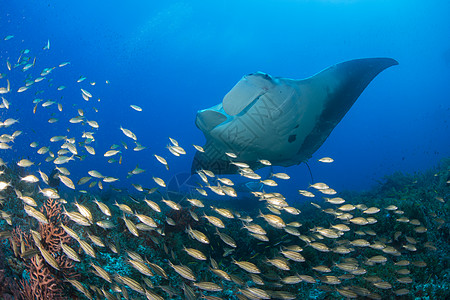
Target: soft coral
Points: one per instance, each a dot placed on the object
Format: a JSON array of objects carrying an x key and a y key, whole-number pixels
[{"x": 45, "y": 282}]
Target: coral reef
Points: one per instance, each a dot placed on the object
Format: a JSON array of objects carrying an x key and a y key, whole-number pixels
[
  {"x": 422, "y": 197},
  {"x": 42, "y": 280}
]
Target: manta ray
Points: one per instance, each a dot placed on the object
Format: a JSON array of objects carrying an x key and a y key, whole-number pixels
[{"x": 278, "y": 119}]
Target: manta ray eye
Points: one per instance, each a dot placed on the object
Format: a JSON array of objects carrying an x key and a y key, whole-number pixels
[{"x": 292, "y": 138}]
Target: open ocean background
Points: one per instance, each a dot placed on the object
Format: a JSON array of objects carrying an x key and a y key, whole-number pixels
[
  {"x": 384, "y": 234},
  {"x": 173, "y": 58}
]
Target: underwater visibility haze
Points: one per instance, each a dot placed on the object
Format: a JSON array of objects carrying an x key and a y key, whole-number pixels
[{"x": 224, "y": 149}]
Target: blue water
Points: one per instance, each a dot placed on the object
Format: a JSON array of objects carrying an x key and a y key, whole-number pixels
[{"x": 173, "y": 58}]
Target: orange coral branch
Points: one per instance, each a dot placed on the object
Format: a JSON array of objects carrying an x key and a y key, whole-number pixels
[{"x": 45, "y": 282}]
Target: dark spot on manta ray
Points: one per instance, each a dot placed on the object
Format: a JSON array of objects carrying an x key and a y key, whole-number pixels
[
  {"x": 296, "y": 126},
  {"x": 292, "y": 138}
]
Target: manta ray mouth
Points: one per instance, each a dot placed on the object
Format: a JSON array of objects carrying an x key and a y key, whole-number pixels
[{"x": 247, "y": 108}]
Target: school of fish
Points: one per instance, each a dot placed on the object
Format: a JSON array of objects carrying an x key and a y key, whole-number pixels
[{"x": 146, "y": 245}]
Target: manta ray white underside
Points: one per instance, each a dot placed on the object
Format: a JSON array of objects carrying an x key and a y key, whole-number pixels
[{"x": 279, "y": 119}]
